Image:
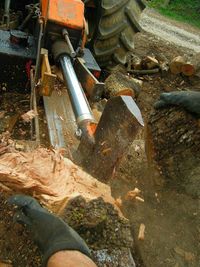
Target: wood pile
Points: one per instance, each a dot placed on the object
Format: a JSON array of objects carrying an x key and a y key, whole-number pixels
[
  {"x": 154, "y": 64},
  {"x": 143, "y": 66}
]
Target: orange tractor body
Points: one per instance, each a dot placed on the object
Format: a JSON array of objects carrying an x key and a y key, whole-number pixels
[{"x": 67, "y": 13}]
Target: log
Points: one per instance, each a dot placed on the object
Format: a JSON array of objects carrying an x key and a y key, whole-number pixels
[
  {"x": 173, "y": 147},
  {"x": 188, "y": 69},
  {"x": 50, "y": 178},
  {"x": 119, "y": 84},
  {"x": 176, "y": 65},
  {"x": 192, "y": 67}
]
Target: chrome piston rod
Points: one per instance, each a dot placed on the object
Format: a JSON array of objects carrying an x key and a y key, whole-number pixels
[{"x": 78, "y": 99}]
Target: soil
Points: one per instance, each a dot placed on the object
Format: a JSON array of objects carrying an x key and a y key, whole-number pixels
[{"x": 172, "y": 219}]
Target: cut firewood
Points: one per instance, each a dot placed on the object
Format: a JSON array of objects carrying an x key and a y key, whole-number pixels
[
  {"x": 141, "y": 232},
  {"x": 195, "y": 60},
  {"x": 188, "y": 69},
  {"x": 177, "y": 64},
  {"x": 149, "y": 63},
  {"x": 119, "y": 84}
]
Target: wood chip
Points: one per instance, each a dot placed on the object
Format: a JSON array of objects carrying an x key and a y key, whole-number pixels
[
  {"x": 131, "y": 195},
  {"x": 118, "y": 202},
  {"x": 141, "y": 232},
  {"x": 28, "y": 116},
  {"x": 188, "y": 256},
  {"x": 139, "y": 199}
]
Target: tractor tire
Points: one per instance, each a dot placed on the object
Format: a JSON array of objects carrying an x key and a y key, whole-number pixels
[{"x": 116, "y": 25}]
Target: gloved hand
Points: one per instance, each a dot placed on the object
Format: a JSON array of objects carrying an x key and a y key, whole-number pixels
[
  {"x": 190, "y": 100},
  {"x": 49, "y": 232}
]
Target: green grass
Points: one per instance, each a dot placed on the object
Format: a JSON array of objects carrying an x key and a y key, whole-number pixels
[{"x": 187, "y": 11}]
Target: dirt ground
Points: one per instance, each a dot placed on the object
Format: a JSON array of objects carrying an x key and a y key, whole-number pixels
[{"x": 172, "y": 219}]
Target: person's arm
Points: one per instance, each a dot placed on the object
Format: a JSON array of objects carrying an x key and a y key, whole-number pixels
[{"x": 51, "y": 234}]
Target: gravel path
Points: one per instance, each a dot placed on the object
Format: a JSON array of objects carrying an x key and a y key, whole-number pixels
[{"x": 172, "y": 31}]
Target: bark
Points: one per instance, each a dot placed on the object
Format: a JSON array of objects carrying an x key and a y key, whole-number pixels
[{"x": 173, "y": 145}]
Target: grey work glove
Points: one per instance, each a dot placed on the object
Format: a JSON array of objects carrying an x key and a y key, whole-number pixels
[
  {"x": 190, "y": 100},
  {"x": 49, "y": 232}
]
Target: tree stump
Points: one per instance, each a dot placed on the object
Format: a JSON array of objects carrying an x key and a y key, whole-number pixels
[{"x": 173, "y": 145}]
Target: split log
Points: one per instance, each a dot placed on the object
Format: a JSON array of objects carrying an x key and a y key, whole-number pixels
[
  {"x": 115, "y": 131},
  {"x": 177, "y": 64},
  {"x": 173, "y": 146},
  {"x": 49, "y": 177},
  {"x": 149, "y": 63},
  {"x": 119, "y": 84}
]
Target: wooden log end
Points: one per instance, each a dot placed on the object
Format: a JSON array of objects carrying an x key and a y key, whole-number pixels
[
  {"x": 176, "y": 65},
  {"x": 188, "y": 69}
]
